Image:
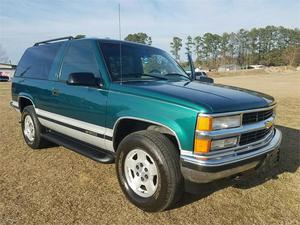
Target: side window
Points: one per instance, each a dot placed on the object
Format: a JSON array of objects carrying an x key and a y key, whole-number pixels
[
  {"x": 37, "y": 61},
  {"x": 80, "y": 57}
]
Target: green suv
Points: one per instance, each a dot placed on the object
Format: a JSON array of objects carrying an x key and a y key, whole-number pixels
[{"x": 116, "y": 101}]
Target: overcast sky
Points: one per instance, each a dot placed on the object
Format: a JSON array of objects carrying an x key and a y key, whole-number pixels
[{"x": 24, "y": 22}]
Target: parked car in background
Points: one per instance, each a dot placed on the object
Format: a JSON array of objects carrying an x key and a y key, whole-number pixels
[
  {"x": 7, "y": 70},
  {"x": 201, "y": 73},
  {"x": 133, "y": 104},
  {"x": 201, "y": 76},
  {"x": 3, "y": 77}
]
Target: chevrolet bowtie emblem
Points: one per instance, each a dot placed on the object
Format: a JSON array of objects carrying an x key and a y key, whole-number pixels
[{"x": 268, "y": 124}]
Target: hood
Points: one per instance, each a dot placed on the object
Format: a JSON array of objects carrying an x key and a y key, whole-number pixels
[{"x": 209, "y": 98}]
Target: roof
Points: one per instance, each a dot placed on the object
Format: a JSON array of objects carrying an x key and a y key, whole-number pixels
[{"x": 103, "y": 40}]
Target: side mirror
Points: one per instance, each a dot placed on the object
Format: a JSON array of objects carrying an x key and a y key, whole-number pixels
[{"x": 84, "y": 79}]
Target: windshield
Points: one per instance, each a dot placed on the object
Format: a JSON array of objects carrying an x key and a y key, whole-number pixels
[{"x": 140, "y": 63}]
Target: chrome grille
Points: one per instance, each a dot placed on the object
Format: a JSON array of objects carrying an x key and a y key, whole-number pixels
[
  {"x": 253, "y": 136},
  {"x": 253, "y": 117}
]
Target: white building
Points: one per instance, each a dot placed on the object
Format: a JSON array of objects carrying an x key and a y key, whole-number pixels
[{"x": 7, "y": 69}]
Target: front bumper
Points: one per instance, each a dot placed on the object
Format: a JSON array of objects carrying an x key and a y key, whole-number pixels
[
  {"x": 204, "y": 172},
  {"x": 14, "y": 104}
]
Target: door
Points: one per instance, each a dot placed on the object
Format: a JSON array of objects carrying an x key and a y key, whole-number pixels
[{"x": 79, "y": 111}]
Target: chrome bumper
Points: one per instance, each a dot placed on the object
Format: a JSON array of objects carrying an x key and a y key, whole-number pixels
[
  {"x": 197, "y": 170},
  {"x": 14, "y": 104}
]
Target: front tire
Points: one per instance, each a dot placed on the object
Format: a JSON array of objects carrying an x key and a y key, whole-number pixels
[{"x": 148, "y": 170}]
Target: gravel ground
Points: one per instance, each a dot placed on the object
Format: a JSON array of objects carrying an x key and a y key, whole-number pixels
[{"x": 58, "y": 186}]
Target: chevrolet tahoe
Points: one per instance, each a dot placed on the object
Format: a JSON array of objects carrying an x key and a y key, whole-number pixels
[{"x": 132, "y": 104}]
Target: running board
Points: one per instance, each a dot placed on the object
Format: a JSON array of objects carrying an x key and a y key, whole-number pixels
[{"x": 92, "y": 152}]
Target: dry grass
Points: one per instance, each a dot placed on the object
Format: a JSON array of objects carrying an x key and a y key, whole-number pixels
[{"x": 57, "y": 186}]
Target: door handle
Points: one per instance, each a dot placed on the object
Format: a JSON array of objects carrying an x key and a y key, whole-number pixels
[{"x": 55, "y": 92}]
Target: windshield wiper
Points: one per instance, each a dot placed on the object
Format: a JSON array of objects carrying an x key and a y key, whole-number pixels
[
  {"x": 176, "y": 74},
  {"x": 25, "y": 71},
  {"x": 144, "y": 74}
]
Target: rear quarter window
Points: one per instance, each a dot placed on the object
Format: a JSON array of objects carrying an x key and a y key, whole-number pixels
[{"x": 37, "y": 61}]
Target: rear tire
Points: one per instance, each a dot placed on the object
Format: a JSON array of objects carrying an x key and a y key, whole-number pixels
[
  {"x": 154, "y": 153},
  {"x": 32, "y": 129}
]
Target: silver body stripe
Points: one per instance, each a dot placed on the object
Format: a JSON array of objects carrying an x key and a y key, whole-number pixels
[
  {"x": 75, "y": 123},
  {"x": 109, "y": 132},
  {"x": 93, "y": 140},
  {"x": 109, "y": 145},
  {"x": 91, "y": 127}
]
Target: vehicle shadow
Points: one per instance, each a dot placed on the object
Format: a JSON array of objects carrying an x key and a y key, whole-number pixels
[{"x": 289, "y": 162}]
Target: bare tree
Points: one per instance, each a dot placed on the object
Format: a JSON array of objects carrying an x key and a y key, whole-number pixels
[{"x": 291, "y": 56}]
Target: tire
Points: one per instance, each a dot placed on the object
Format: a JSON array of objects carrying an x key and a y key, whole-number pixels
[
  {"x": 167, "y": 185},
  {"x": 33, "y": 141}
]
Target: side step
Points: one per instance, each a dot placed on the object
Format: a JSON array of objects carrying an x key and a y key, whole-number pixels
[{"x": 92, "y": 152}]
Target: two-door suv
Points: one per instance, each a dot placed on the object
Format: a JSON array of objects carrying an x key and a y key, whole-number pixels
[{"x": 133, "y": 104}]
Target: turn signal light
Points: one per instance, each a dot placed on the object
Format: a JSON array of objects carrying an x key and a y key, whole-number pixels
[
  {"x": 204, "y": 123},
  {"x": 202, "y": 145}
]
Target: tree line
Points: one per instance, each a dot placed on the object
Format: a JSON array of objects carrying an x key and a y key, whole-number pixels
[{"x": 270, "y": 46}]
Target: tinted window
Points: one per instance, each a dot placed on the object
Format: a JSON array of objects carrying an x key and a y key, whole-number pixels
[
  {"x": 37, "y": 61},
  {"x": 156, "y": 64},
  {"x": 139, "y": 62},
  {"x": 80, "y": 57}
]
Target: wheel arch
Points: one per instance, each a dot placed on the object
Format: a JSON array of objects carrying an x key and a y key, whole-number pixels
[
  {"x": 24, "y": 101},
  {"x": 140, "y": 124}
]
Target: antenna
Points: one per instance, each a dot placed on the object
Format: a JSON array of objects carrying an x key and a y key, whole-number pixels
[
  {"x": 120, "y": 38},
  {"x": 120, "y": 21}
]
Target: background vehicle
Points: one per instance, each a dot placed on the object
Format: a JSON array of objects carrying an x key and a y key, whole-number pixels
[
  {"x": 200, "y": 75},
  {"x": 3, "y": 77},
  {"x": 6, "y": 71},
  {"x": 112, "y": 100}
]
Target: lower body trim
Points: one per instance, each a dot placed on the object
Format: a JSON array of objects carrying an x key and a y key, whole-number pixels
[{"x": 82, "y": 136}]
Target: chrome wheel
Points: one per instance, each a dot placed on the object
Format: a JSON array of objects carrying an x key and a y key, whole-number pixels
[
  {"x": 141, "y": 173},
  {"x": 29, "y": 130}
]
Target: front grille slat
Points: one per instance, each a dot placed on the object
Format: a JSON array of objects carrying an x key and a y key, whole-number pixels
[
  {"x": 253, "y": 117},
  {"x": 253, "y": 136}
]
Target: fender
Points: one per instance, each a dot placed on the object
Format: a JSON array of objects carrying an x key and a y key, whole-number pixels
[
  {"x": 148, "y": 121},
  {"x": 27, "y": 96}
]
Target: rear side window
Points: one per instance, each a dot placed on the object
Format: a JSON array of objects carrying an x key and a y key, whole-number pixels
[
  {"x": 37, "y": 61},
  {"x": 80, "y": 57}
]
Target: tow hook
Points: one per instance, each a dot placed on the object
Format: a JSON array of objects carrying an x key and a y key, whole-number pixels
[{"x": 237, "y": 177}]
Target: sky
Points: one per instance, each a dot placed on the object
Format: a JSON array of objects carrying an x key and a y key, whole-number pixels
[{"x": 24, "y": 22}]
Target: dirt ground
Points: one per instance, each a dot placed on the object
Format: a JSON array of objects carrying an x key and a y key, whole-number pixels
[{"x": 58, "y": 186}]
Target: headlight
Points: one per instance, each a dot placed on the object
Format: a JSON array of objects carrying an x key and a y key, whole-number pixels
[
  {"x": 226, "y": 122},
  {"x": 206, "y": 123},
  {"x": 207, "y": 145},
  {"x": 224, "y": 143}
]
